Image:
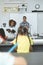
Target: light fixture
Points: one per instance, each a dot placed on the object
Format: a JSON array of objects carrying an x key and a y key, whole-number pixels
[{"x": 37, "y": 6}]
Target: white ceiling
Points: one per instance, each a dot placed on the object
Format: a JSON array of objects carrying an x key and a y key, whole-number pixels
[{"x": 21, "y": 1}]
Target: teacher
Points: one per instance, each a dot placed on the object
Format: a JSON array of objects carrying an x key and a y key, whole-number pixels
[{"x": 25, "y": 23}]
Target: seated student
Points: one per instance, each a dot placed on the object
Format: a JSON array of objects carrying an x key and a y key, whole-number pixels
[
  {"x": 2, "y": 35},
  {"x": 9, "y": 59},
  {"x": 12, "y": 23},
  {"x": 23, "y": 40},
  {"x": 11, "y": 29}
]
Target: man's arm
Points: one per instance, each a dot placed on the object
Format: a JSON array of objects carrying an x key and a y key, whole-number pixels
[
  {"x": 20, "y": 61},
  {"x": 28, "y": 25}
]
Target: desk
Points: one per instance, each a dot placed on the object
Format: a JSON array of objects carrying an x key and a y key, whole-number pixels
[
  {"x": 37, "y": 47},
  {"x": 5, "y": 47},
  {"x": 32, "y": 58},
  {"x": 38, "y": 41}
]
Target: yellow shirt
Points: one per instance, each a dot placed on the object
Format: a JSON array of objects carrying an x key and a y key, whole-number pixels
[{"x": 23, "y": 44}]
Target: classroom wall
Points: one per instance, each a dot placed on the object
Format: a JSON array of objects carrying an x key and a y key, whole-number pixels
[
  {"x": 4, "y": 17},
  {"x": 40, "y": 23},
  {"x": 31, "y": 19}
]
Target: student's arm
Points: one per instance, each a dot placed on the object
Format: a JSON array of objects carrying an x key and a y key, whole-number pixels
[
  {"x": 20, "y": 61},
  {"x": 13, "y": 42},
  {"x": 31, "y": 41}
]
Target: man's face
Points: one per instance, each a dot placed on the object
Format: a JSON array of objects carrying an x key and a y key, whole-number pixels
[{"x": 24, "y": 19}]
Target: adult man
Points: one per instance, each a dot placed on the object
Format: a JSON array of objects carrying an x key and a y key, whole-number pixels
[{"x": 25, "y": 23}]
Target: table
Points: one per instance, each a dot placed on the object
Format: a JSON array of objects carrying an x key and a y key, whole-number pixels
[
  {"x": 38, "y": 41},
  {"x": 37, "y": 46},
  {"x": 5, "y": 47},
  {"x": 32, "y": 58}
]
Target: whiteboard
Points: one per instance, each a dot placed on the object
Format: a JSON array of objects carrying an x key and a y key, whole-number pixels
[
  {"x": 31, "y": 18},
  {"x": 40, "y": 23}
]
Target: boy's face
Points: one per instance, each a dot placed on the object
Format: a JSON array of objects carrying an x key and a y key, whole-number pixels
[{"x": 12, "y": 23}]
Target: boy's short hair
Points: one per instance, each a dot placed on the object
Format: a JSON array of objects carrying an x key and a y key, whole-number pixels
[{"x": 24, "y": 17}]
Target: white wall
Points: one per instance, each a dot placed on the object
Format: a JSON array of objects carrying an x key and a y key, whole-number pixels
[
  {"x": 40, "y": 23},
  {"x": 31, "y": 19},
  {"x": 4, "y": 17},
  {"x": 32, "y": 3}
]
